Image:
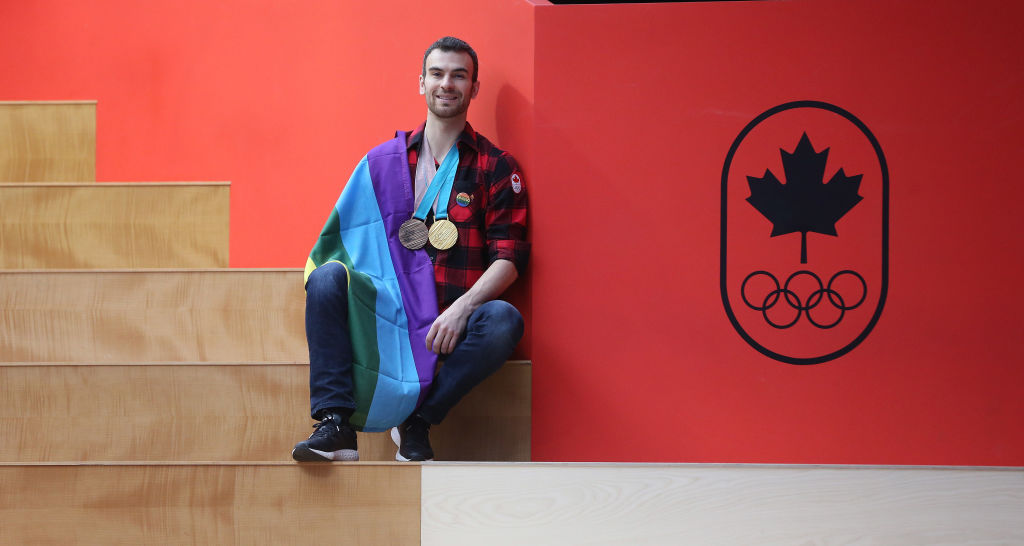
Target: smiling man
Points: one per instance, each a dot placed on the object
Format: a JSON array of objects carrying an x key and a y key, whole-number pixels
[{"x": 429, "y": 231}]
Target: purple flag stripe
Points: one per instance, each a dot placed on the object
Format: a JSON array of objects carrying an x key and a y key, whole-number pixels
[{"x": 392, "y": 184}]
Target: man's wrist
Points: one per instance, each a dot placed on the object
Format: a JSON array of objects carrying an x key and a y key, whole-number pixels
[{"x": 467, "y": 303}]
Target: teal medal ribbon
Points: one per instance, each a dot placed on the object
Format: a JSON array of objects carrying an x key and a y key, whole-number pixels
[
  {"x": 441, "y": 184},
  {"x": 413, "y": 233}
]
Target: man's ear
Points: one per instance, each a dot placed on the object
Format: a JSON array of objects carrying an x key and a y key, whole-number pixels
[
  {"x": 423, "y": 90},
  {"x": 476, "y": 89}
]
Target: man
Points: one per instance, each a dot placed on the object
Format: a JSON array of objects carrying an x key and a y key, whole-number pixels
[{"x": 374, "y": 336}]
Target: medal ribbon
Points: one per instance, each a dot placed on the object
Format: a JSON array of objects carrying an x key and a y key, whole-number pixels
[{"x": 441, "y": 184}]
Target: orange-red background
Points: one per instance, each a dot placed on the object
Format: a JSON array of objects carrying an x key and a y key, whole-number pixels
[{"x": 621, "y": 116}]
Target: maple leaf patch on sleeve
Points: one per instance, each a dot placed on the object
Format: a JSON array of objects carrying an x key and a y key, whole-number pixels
[{"x": 805, "y": 202}]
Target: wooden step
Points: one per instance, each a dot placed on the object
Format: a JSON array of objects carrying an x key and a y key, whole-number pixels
[
  {"x": 223, "y": 412},
  {"x": 557, "y": 504},
  {"x": 51, "y": 141},
  {"x": 208, "y": 503},
  {"x": 223, "y": 315},
  {"x": 540, "y": 504},
  {"x": 114, "y": 225}
]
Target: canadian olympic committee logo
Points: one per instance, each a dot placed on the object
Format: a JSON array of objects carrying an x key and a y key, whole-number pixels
[{"x": 804, "y": 232}]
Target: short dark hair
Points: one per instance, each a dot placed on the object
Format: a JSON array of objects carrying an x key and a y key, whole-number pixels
[{"x": 451, "y": 43}]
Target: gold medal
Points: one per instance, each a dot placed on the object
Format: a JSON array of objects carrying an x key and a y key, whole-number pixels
[
  {"x": 413, "y": 234},
  {"x": 443, "y": 234}
]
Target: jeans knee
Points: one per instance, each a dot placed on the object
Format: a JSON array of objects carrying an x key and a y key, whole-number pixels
[
  {"x": 327, "y": 281},
  {"x": 503, "y": 321}
]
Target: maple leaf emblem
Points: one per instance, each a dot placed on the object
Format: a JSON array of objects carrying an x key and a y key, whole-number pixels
[{"x": 804, "y": 203}]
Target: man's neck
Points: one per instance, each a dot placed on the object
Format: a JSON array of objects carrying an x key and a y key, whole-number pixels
[{"x": 442, "y": 134}]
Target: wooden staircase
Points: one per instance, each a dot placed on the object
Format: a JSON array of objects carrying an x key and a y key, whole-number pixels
[{"x": 151, "y": 394}]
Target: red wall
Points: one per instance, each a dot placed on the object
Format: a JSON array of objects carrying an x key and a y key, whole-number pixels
[
  {"x": 636, "y": 109},
  {"x": 280, "y": 98}
]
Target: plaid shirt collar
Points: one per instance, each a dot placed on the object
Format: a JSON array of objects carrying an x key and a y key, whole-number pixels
[{"x": 467, "y": 138}]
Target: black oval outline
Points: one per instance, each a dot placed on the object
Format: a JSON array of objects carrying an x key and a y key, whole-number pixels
[{"x": 883, "y": 293}]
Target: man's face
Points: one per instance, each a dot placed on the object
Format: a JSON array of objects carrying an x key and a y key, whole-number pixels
[{"x": 448, "y": 83}]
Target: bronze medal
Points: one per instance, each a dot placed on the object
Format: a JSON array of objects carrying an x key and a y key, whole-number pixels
[
  {"x": 413, "y": 234},
  {"x": 443, "y": 234}
]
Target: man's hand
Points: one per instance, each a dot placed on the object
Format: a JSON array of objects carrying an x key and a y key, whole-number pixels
[
  {"x": 447, "y": 328},
  {"x": 445, "y": 332}
]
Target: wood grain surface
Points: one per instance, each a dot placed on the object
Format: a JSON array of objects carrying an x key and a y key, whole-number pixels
[
  {"x": 210, "y": 504},
  {"x": 114, "y": 225},
  {"x": 228, "y": 315},
  {"x": 579, "y": 504},
  {"x": 48, "y": 141},
  {"x": 206, "y": 412}
]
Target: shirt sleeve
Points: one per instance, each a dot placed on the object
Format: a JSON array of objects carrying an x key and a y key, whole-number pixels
[{"x": 506, "y": 214}]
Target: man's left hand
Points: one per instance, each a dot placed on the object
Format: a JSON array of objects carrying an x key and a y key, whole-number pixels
[{"x": 446, "y": 330}]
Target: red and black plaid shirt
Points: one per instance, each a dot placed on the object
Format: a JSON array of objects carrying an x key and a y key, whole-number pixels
[{"x": 492, "y": 225}]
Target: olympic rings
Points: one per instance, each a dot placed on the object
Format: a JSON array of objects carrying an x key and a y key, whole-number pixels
[{"x": 783, "y": 292}]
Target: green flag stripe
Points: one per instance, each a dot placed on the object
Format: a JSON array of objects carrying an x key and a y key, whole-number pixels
[{"x": 362, "y": 298}]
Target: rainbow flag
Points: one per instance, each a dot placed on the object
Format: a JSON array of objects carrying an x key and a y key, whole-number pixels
[{"x": 391, "y": 294}]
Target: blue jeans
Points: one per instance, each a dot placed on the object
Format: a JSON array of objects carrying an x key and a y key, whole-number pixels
[{"x": 491, "y": 334}]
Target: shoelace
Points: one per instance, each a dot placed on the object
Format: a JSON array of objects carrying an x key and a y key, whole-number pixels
[{"x": 324, "y": 423}]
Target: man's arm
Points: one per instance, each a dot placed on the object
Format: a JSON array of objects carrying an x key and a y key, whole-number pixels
[{"x": 448, "y": 327}]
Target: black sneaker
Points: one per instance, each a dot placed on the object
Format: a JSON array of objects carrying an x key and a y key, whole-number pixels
[
  {"x": 333, "y": 440},
  {"x": 413, "y": 440}
]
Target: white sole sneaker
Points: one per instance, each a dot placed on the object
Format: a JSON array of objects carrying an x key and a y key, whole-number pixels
[
  {"x": 396, "y": 437},
  {"x": 307, "y": 454}
]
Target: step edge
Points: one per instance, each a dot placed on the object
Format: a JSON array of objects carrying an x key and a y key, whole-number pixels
[
  {"x": 736, "y": 466},
  {"x": 150, "y": 363},
  {"x": 534, "y": 464},
  {"x": 87, "y": 184},
  {"x": 527, "y": 363},
  {"x": 199, "y": 463},
  {"x": 44, "y": 102},
  {"x": 151, "y": 270}
]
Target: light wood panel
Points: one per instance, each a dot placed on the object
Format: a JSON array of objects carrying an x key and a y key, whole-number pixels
[
  {"x": 210, "y": 504},
  {"x": 220, "y": 412},
  {"x": 48, "y": 141},
  {"x": 114, "y": 225},
  {"x": 577, "y": 504},
  {"x": 229, "y": 315}
]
